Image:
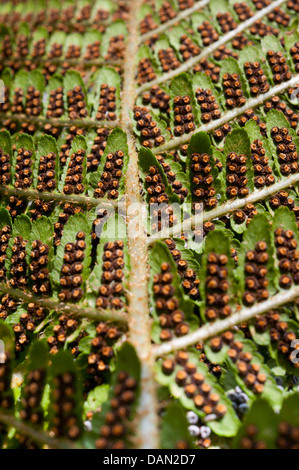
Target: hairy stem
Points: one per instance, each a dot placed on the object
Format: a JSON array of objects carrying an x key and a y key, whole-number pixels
[
  {"x": 213, "y": 47},
  {"x": 139, "y": 319},
  {"x": 77, "y": 310},
  {"x": 227, "y": 208},
  {"x": 229, "y": 116},
  {"x": 38, "y": 437},
  {"x": 32, "y": 194},
  {"x": 62, "y": 60},
  {"x": 213, "y": 329},
  {"x": 41, "y": 120}
]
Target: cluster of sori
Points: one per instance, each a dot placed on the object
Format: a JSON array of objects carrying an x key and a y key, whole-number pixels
[
  {"x": 209, "y": 68},
  {"x": 6, "y": 47},
  {"x": 32, "y": 411},
  {"x": 184, "y": 4},
  {"x": 280, "y": 69},
  {"x": 199, "y": 431},
  {"x": 23, "y": 329},
  {"x": 4, "y": 168},
  {"x": 63, "y": 217},
  {"x": 114, "y": 432},
  {"x": 101, "y": 354},
  {"x": 146, "y": 71},
  {"x": 157, "y": 194},
  {"x": 195, "y": 385},
  {"x": 223, "y": 53},
  {"x": 226, "y": 22},
  {"x": 55, "y": 106},
  {"x": 250, "y": 441},
  {"x": 183, "y": 115},
  {"x": 71, "y": 272},
  {"x": 101, "y": 15},
  {"x": 256, "y": 271},
  {"x": 73, "y": 52},
  {"x": 53, "y": 131},
  {"x": 288, "y": 256},
  {"x": 295, "y": 55},
  {"x": 245, "y": 215},
  {"x": 256, "y": 77},
  {"x": 262, "y": 29},
  {"x": 219, "y": 134},
  {"x": 157, "y": 98},
  {"x": 40, "y": 208},
  {"x": 23, "y": 174},
  {"x": 250, "y": 114},
  {"x": 276, "y": 103},
  {"x": 171, "y": 319},
  {"x": 168, "y": 59},
  {"x": 240, "y": 41},
  {"x": 208, "y": 33},
  {"x": 150, "y": 132},
  {"x": 47, "y": 173},
  {"x": 6, "y": 397},
  {"x": 66, "y": 147},
  {"x": 215, "y": 369},
  {"x": 188, "y": 48},
  {"x": 97, "y": 228},
  {"x": 208, "y": 105},
  {"x": 18, "y": 270},
  {"x": 39, "y": 272},
  {"x": 107, "y": 104},
  {"x": 156, "y": 191},
  {"x": 288, "y": 436},
  {"x": 282, "y": 198},
  {"x": 5, "y": 234},
  {"x": 5, "y": 107},
  {"x": 22, "y": 43},
  {"x": 239, "y": 400},
  {"x": 66, "y": 326},
  {"x": 243, "y": 11},
  {"x": 286, "y": 150},
  {"x": 176, "y": 185},
  {"x": 93, "y": 51},
  {"x": 39, "y": 48},
  {"x": 33, "y": 102},
  {"x": 28, "y": 322},
  {"x": 247, "y": 370},
  {"x": 76, "y": 103},
  {"x": 17, "y": 106},
  {"x": 190, "y": 280},
  {"x": 98, "y": 149},
  {"x": 8, "y": 305},
  {"x": 65, "y": 421},
  {"x": 166, "y": 12},
  {"x": 74, "y": 177},
  {"x": 147, "y": 24},
  {"x": 112, "y": 289},
  {"x": 116, "y": 48},
  {"x": 236, "y": 179},
  {"x": 111, "y": 176},
  {"x": 293, "y": 5},
  {"x": 16, "y": 206},
  {"x": 234, "y": 96},
  {"x": 263, "y": 175},
  {"x": 280, "y": 334},
  {"x": 202, "y": 181},
  {"x": 217, "y": 286},
  {"x": 55, "y": 51},
  {"x": 279, "y": 16}
]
